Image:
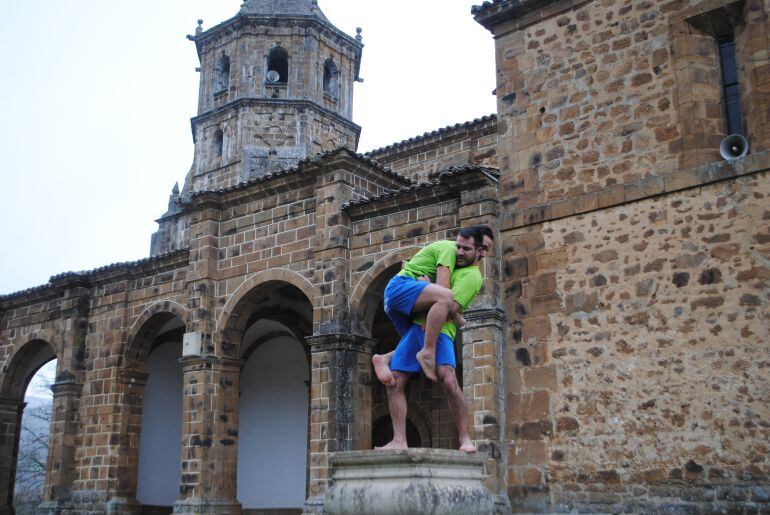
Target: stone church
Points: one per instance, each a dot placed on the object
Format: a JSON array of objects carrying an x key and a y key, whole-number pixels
[{"x": 617, "y": 359}]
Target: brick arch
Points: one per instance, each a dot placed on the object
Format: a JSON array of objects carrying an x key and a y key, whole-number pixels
[
  {"x": 276, "y": 274},
  {"x": 415, "y": 414},
  {"x": 19, "y": 367},
  {"x": 248, "y": 302},
  {"x": 143, "y": 329},
  {"x": 367, "y": 290}
]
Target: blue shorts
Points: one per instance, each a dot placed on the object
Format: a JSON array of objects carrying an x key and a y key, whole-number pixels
[
  {"x": 400, "y": 295},
  {"x": 405, "y": 357}
]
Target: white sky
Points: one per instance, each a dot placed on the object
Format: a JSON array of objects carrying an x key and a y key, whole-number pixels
[{"x": 96, "y": 98}]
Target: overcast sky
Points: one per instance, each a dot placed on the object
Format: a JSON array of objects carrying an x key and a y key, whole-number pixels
[{"x": 96, "y": 98}]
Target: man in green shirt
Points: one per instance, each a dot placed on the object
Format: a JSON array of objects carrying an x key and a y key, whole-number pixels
[
  {"x": 406, "y": 296},
  {"x": 394, "y": 369}
]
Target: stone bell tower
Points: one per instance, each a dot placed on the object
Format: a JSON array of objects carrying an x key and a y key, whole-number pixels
[{"x": 276, "y": 86}]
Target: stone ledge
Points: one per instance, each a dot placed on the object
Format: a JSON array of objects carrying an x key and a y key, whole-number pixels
[
  {"x": 648, "y": 187},
  {"x": 408, "y": 481}
]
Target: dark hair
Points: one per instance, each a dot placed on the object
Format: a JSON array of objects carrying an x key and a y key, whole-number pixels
[{"x": 477, "y": 232}]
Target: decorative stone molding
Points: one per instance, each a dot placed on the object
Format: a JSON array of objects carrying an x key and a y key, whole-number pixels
[{"x": 408, "y": 481}]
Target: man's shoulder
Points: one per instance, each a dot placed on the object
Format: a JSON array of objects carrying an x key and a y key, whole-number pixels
[
  {"x": 442, "y": 244},
  {"x": 471, "y": 271}
]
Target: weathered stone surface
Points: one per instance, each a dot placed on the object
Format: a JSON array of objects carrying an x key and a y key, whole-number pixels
[{"x": 412, "y": 481}]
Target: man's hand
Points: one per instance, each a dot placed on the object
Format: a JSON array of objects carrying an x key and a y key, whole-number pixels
[{"x": 424, "y": 278}]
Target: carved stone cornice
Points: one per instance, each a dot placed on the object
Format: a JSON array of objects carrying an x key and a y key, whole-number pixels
[
  {"x": 132, "y": 377},
  {"x": 340, "y": 342},
  {"x": 210, "y": 361},
  {"x": 67, "y": 388},
  {"x": 485, "y": 316}
]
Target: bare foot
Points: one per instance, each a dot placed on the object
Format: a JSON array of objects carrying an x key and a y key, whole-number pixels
[
  {"x": 391, "y": 446},
  {"x": 382, "y": 370},
  {"x": 427, "y": 364},
  {"x": 467, "y": 446}
]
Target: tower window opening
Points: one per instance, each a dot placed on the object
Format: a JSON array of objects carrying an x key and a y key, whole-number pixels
[
  {"x": 219, "y": 138},
  {"x": 331, "y": 78},
  {"x": 731, "y": 95},
  {"x": 278, "y": 61},
  {"x": 222, "y": 75}
]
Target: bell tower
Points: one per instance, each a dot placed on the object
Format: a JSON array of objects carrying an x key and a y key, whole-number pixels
[{"x": 276, "y": 86}]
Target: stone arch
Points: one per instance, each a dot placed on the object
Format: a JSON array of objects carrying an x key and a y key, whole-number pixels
[
  {"x": 277, "y": 295},
  {"x": 276, "y": 274},
  {"x": 145, "y": 328},
  {"x": 414, "y": 414},
  {"x": 367, "y": 293},
  {"x": 331, "y": 78},
  {"x": 27, "y": 358},
  {"x": 24, "y": 362}
]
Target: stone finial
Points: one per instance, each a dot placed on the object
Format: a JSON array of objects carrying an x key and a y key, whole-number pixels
[
  {"x": 199, "y": 28},
  {"x": 175, "y": 189},
  {"x": 358, "y": 33}
]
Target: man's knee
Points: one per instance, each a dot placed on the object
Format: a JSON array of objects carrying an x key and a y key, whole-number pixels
[{"x": 447, "y": 377}]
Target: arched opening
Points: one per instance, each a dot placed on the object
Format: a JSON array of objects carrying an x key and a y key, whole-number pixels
[
  {"x": 159, "y": 452},
  {"x": 382, "y": 432},
  {"x": 25, "y": 422},
  {"x": 269, "y": 326},
  {"x": 219, "y": 140},
  {"x": 331, "y": 79},
  {"x": 278, "y": 61},
  {"x": 428, "y": 413},
  {"x": 222, "y": 75}
]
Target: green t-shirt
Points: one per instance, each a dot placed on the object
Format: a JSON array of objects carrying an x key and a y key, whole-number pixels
[
  {"x": 427, "y": 260},
  {"x": 466, "y": 282}
]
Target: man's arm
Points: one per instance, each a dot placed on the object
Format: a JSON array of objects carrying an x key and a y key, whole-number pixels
[{"x": 442, "y": 276}]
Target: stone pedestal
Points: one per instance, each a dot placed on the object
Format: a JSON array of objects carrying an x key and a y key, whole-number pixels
[{"x": 412, "y": 481}]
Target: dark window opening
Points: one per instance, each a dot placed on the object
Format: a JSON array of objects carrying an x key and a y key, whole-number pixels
[
  {"x": 731, "y": 95},
  {"x": 331, "y": 78},
  {"x": 278, "y": 61},
  {"x": 219, "y": 138},
  {"x": 222, "y": 75}
]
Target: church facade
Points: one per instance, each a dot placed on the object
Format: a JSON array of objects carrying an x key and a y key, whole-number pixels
[{"x": 616, "y": 359}]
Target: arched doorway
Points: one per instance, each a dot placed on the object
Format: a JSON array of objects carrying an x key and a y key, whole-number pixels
[
  {"x": 159, "y": 453},
  {"x": 25, "y": 419},
  {"x": 269, "y": 324}
]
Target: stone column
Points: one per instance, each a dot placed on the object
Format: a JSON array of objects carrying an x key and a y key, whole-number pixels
[
  {"x": 209, "y": 436},
  {"x": 123, "y": 500},
  {"x": 10, "y": 428},
  {"x": 60, "y": 465},
  {"x": 484, "y": 389},
  {"x": 340, "y": 403}
]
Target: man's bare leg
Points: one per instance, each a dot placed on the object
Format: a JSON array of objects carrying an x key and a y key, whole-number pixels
[
  {"x": 438, "y": 302},
  {"x": 382, "y": 370},
  {"x": 397, "y": 408},
  {"x": 457, "y": 406}
]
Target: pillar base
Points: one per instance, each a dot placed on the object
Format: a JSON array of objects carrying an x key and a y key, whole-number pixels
[
  {"x": 408, "y": 481},
  {"x": 208, "y": 506}
]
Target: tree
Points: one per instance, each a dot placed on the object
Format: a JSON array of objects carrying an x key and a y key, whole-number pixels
[
  {"x": 33, "y": 442},
  {"x": 30, "y": 465}
]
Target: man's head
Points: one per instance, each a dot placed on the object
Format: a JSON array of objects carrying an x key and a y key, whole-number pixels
[{"x": 472, "y": 244}]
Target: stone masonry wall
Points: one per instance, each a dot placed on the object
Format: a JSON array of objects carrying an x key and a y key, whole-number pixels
[
  {"x": 638, "y": 362},
  {"x": 593, "y": 94},
  {"x": 473, "y": 142},
  {"x": 259, "y": 140}
]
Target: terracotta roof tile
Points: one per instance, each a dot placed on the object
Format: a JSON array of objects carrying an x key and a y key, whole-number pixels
[
  {"x": 436, "y": 178},
  {"x": 437, "y": 132}
]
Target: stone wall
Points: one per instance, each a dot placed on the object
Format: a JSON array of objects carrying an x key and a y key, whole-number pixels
[
  {"x": 637, "y": 362},
  {"x": 635, "y": 262},
  {"x": 471, "y": 142},
  {"x": 605, "y": 93}
]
